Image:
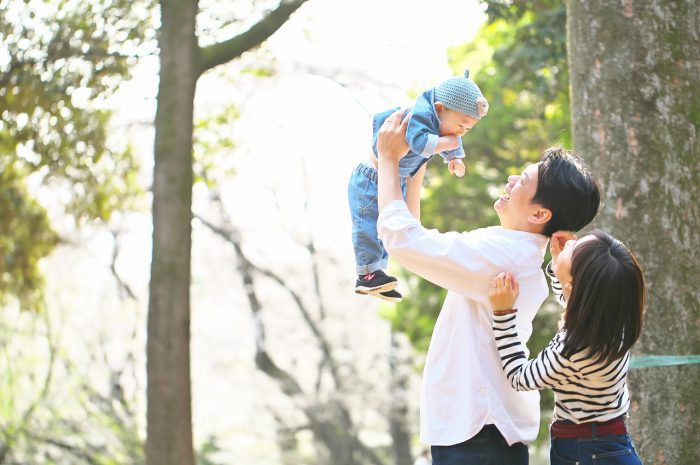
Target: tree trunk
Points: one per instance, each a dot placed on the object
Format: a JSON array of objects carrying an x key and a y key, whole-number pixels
[
  {"x": 635, "y": 93},
  {"x": 169, "y": 430}
]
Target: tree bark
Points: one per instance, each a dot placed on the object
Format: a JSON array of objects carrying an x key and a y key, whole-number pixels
[
  {"x": 635, "y": 93},
  {"x": 169, "y": 430},
  {"x": 169, "y": 416}
]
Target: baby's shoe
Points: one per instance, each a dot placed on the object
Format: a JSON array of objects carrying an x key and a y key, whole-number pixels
[
  {"x": 376, "y": 281},
  {"x": 391, "y": 296}
]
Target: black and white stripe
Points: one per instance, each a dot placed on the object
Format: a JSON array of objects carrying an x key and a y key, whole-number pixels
[{"x": 584, "y": 390}]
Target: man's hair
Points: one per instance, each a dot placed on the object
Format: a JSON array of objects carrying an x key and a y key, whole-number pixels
[
  {"x": 568, "y": 189},
  {"x": 604, "y": 311}
]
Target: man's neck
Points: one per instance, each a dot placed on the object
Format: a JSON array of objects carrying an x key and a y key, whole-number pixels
[{"x": 529, "y": 228}]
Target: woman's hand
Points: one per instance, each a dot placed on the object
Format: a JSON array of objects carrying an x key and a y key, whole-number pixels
[
  {"x": 557, "y": 243},
  {"x": 504, "y": 291}
]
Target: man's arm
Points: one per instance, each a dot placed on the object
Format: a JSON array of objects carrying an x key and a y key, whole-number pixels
[
  {"x": 413, "y": 189},
  {"x": 444, "y": 259},
  {"x": 391, "y": 148}
]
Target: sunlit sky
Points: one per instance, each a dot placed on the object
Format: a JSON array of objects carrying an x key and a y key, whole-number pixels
[{"x": 336, "y": 63}]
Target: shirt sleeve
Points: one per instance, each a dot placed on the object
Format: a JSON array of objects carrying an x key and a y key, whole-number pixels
[
  {"x": 449, "y": 155},
  {"x": 549, "y": 369},
  {"x": 421, "y": 134},
  {"x": 556, "y": 286},
  {"x": 451, "y": 260}
]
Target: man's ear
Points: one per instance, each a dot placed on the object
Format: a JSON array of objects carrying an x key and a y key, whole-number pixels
[{"x": 541, "y": 216}]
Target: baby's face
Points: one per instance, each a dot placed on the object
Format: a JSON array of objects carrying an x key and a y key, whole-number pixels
[{"x": 454, "y": 123}]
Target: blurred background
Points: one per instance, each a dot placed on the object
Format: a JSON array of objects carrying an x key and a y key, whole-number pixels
[{"x": 287, "y": 365}]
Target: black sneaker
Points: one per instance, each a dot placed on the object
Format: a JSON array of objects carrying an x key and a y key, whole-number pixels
[
  {"x": 376, "y": 281},
  {"x": 391, "y": 296}
]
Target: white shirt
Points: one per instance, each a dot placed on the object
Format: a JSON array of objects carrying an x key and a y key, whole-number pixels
[{"x": 464, "y": 387}]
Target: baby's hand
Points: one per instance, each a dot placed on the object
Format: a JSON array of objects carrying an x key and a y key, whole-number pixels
[
  {"x": 504, "y": 291},
  {"x": 456, "y": 167}
]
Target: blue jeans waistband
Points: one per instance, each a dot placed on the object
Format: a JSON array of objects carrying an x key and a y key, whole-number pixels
[
  {"x": 372, "y": 174},
  {"x": 368, "y": 171}
]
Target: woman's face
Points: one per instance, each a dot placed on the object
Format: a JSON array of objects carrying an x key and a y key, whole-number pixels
[{"x": 562, "y": 265}]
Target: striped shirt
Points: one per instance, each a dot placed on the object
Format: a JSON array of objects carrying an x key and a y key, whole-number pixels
[{"x": 584, "y": 391}]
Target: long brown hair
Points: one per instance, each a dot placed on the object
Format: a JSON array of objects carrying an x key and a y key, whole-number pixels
[{"x": 604, "y": 310}]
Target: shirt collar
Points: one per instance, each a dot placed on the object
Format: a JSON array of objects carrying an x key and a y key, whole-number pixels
[{"x": 536, "y": 239}]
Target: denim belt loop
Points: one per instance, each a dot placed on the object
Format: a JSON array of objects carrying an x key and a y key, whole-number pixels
[{"x": 594, "y": 430}]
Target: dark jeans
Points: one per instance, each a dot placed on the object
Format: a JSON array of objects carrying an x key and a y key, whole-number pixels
[
  {"x": 601, "y": 450},
  {"x": 486, "y": 448}
]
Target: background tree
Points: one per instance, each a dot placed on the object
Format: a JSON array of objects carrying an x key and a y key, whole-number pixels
[
  {"x": 183, "y": 58},
  {"x": 333, "y": 405},
  {"x": 61, "y": 405},
  {"x": 636, "y": 119},
  {"x": 59, "y": 63}
]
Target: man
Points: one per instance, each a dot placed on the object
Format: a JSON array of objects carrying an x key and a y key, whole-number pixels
[{"x": 469, "y": 412}]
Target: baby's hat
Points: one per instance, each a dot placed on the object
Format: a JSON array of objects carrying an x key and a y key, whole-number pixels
[{"x": 463, "y": 95}]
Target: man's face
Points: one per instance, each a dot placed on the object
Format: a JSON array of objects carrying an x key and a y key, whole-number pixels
[
  {"x": 515, "y": 205},
  {"x": 454, "y": 123}
]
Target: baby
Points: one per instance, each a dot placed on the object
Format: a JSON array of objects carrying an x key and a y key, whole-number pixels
[{"x": 438, "y": 120}]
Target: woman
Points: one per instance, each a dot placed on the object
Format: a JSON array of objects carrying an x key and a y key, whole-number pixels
[{"x": 601, "y": 287}]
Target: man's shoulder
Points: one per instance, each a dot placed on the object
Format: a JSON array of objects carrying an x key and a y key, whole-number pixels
[{"x": 517, "y": 245}]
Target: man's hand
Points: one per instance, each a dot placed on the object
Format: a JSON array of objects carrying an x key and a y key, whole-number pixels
[
  {"x": 456, "y": 167},
  {"x": 557, "y": 243},
  {"x": 391, "y": 142}
]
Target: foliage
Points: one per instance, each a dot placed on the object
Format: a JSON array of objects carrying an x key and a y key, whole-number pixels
[
  {"x": 59, "y": 63},
  {"x": 49, "y": 411},
  {"x": 213, "y": 145},
  {"x": 519, "y": 61}
]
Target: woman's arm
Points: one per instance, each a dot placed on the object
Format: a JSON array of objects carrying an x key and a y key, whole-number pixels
[{"x": 549, "y": 369}]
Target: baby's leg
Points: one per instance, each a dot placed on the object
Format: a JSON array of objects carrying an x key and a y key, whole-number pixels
[{"x": 370, "y": 255}]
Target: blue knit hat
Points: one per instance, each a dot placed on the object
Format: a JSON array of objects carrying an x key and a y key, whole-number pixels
[{"x": 463, "y": 95}]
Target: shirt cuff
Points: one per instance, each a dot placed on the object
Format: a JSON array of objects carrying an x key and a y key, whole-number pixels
[
  {"x": 430, "y": 145},
  {"x": 450, "y": 155},
  {"x": 504, "y": 322}
]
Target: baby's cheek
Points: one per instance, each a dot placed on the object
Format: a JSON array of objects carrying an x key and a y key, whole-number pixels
[{"x": 446, "y": 129}]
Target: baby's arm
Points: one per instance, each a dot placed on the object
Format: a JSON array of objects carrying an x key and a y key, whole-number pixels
[
  {"x": 423, "y": 136},
  {"x": 447, "y": 143},
  {"x": 453, "y": 158}
]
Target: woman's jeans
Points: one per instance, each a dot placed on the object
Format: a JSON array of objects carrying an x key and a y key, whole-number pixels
[
  {"x": 488, "y": 447},
  {"x": 601, "y": 450}
]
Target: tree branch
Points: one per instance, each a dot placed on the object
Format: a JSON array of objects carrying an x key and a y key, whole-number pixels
[
  {"x": 230, "y": 235},
  {"x": 223, "y": 52},
  {"x": 124, "y": 289}
]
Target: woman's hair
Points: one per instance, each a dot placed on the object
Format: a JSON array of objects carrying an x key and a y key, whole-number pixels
[{"x": 604, "y": 310}]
